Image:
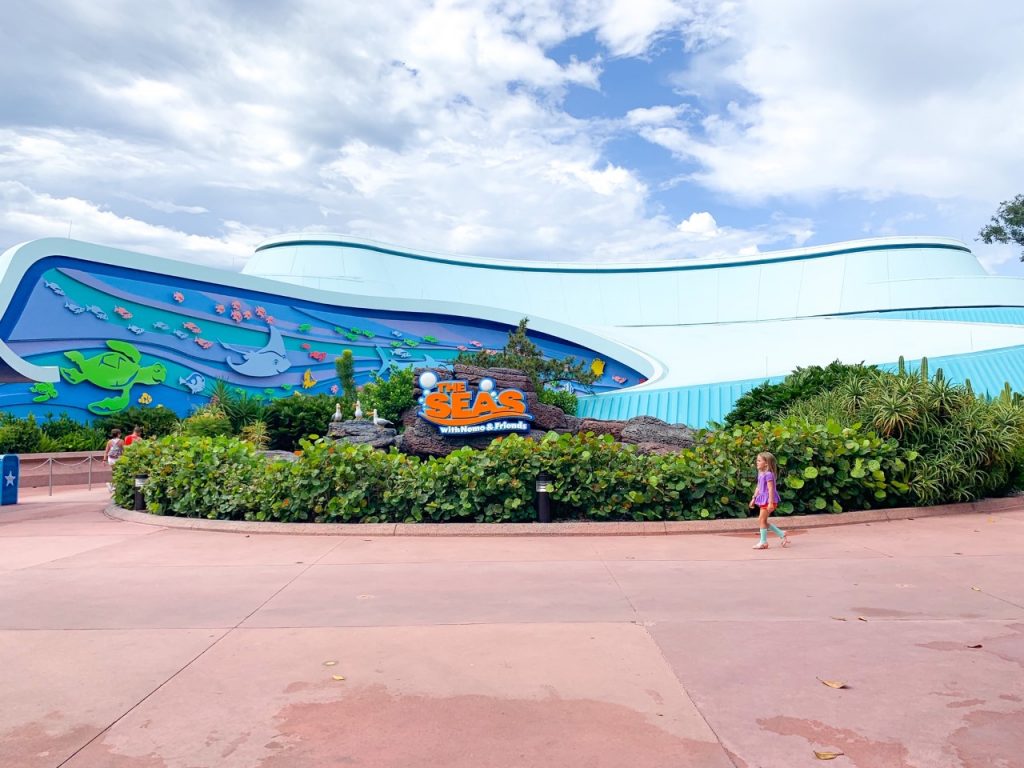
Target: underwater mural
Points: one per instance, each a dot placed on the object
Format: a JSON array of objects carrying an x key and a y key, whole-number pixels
[{"x": 121, "y": 336}]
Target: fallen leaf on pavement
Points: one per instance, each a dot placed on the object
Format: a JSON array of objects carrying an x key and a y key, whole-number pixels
[
  {"x": 979, "y": 645},
  {"x": 330, "y": 663},
  {"x": 827, "y": 755},
  {"x": 832, "y": 683},
  {"x": 861, "y": 618},
  {"x": 338, "y": 677},
  {"x": 976, "y": 589},
  {"x": 839, "y": 618}
]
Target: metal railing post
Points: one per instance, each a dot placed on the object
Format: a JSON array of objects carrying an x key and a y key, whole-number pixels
[
  {"x": 49, "y": 461},
  {"x": 90, "y": 471}
]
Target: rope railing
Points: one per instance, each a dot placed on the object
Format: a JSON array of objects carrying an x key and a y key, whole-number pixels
[{"x": 46, "y": 463}]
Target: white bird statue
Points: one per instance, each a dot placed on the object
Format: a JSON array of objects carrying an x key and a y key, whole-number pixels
[
  {"x": 337, "y": 414},
  {"x": 359, "y": 410},
  {"x": 379, "y": 422}
]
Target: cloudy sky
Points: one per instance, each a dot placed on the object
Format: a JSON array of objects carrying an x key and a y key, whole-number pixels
[{"x": 595, "y": 129}]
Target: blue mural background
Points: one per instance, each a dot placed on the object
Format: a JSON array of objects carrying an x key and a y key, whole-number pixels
[{"x": 190, "y": 334}]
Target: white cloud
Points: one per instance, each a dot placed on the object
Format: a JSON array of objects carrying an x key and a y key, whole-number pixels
[
  {"x": 873, "y": 98},
  {"x": 443, "y": 126},
  {"x": 27, "y": 215},
  {"x": 701, "y": 226}
]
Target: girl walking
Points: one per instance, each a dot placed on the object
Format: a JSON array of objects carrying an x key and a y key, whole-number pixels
[
  {"x": 766, "y": 498},
  {"x": 113, "y": 451}
]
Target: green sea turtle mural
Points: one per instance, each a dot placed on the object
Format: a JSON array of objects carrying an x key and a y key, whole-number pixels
[
  {"x": 43, "y": 391},
  {"x": 117, "y": 369}
]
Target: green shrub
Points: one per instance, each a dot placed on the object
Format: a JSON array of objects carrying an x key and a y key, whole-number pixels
[
  {"x": 20, "y": 435},
  {"x": 156, "y": 421},
  {"x": 208, "y": 421},
  {"x": 968, "y": 445},
  {"x": 977, "y": 449},
  {"x": 390, "y": 396},
  {"x": 559, "y": 398},
  {"x": 345, "y": 367},
  {"x": 65, "y": 434},
  {"x": 291, "y": 419},
  {"x": 332, "y": 482},
  {"x": 240, "y": 407},
  {"x": 213, "y": 477},
  {"x": 768, "y": 402}
]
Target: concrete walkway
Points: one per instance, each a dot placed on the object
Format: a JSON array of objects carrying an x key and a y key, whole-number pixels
[{"x": 127, "y": 645}]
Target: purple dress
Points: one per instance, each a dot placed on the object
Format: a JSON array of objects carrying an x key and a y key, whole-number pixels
[{"x": 761, "y": 498}]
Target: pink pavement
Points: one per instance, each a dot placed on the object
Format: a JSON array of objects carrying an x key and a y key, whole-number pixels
[{"x": 129, "y": 645}]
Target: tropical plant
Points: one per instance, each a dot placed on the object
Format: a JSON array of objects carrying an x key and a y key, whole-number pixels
[
  {"x": 390, "y": 396},
  {"x": 523, "y": 355},
  {"x": 560, "y": 398},
  {"x": 768, "y": 401},
  {"x": 208, "y": 420},
  {"x": 256, "y": 432},
  {"x": 240, "y": 406},
  {"x": 290, "y": 419},
  {"x": 345, "y": 367},
  {"x": 155, "y": 421},
  {"x": 20, "y": 435}
]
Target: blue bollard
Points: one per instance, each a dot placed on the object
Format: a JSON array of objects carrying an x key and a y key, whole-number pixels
[{"x": 10, "y": 473}]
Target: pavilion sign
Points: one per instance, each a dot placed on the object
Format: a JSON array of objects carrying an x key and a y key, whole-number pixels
[{"x": 456, "y": 409}]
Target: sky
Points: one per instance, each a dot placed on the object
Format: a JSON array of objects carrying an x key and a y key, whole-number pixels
[{"x": 596, "y": 130}]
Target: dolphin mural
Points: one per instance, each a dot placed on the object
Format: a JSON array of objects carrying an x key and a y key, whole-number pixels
[{"x": 260, "y": 362}]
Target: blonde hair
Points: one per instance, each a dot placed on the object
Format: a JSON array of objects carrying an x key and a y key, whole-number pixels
[{"x": 770, "y": 462}]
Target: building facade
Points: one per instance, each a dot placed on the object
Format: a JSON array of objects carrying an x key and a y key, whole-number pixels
[{"x": 90, "y": 330}]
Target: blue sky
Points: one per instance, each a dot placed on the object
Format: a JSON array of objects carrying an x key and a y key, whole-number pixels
[{"x": 597, "y": 130}]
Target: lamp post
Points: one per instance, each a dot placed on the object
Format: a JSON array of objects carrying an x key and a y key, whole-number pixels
[
  {"x": 140, "y": 499},
  {"x": 544, "y": 487}
]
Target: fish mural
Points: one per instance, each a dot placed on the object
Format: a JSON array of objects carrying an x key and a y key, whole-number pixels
[
  {"x": 195, "y": 383},
  {"x": 178, "y": 296},
  {"x": 253, "y": 361},
  {"x": 259, "y": 362},
  {"x": 619, "y": 379},
  {"x": 145, "y": 398},
  {"x": 119, "y": 369}
]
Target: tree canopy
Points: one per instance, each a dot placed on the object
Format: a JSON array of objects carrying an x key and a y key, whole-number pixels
[{"x": 1007, "y": 226}]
